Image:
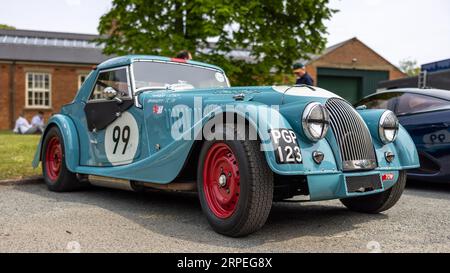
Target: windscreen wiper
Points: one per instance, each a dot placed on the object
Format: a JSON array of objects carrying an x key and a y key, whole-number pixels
[{"x": 305, "y": 85}]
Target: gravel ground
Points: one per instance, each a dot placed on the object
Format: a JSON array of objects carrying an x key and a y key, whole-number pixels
[{"x": 33, "y": 219}]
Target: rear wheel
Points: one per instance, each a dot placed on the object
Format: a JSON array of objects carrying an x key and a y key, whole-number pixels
[
  {"x": 56, "y": 175},
  {"x": 235, "y": 186},
  {"x": 378, "y": 202}
]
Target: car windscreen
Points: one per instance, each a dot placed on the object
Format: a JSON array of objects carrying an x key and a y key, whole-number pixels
[
  {"x": 410, "y": 103},
  {"x": 153, "y": 75},
  {"x": 380, "y": 101}
]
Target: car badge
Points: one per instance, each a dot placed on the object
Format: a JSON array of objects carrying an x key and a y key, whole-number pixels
[
  {"x": 363, "y": 163},
  {"x": 158, "y": 109},
  {"x": 387, "y": 177}
]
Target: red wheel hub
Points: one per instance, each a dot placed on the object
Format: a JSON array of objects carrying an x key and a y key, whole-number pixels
[
  {"x": 53, "y": 158},
  {"x": 221, "y": 180}
]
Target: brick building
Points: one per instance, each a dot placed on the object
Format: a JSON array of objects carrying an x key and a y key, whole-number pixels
[
  {"x": 42, "y": 71},
  {"x": 351, "y": 69}
]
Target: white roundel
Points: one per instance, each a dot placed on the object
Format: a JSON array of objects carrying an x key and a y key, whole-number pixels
[
  {"x": 122, "y": 140},
  {"x": 220, "y": 77}
]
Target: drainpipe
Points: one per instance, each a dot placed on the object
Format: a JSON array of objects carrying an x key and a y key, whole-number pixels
[{"x": 12, "y": 93}]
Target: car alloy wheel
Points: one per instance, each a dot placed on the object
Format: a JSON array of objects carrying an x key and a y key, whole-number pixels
[
  {"x": 221, "y": 180},
  {"x": 53, "y": 159}
]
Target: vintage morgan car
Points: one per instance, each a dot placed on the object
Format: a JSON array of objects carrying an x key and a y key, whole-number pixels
[{"x": 142, "y": 122}]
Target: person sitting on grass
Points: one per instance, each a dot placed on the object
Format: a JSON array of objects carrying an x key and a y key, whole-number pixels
[
  {"x": 38, "y": 121},
  {"x": 24, "y": 128}
]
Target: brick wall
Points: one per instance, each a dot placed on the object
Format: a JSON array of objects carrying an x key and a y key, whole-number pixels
[
  {"x": 64, "y": 85},
  {"x": 354, "y": 54},
  {"x": 4, "y": 96}
]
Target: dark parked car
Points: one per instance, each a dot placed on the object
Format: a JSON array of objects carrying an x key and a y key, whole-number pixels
[{"x": 425, "y": 113}]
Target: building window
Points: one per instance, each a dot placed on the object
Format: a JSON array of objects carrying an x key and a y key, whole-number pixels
[
  {"x": 81, "y": 79},
  {"x": 98, "y": 91},
  {"x": 38, "y": 90}
]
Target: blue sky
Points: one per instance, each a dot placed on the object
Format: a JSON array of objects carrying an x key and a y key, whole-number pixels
[{"x": 396, "y": 29}]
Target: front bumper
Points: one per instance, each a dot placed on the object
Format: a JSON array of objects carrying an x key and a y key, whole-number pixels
[{"x": 334, "y": 186}]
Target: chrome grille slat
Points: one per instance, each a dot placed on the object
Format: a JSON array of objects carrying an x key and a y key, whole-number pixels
[
  {"x": 352, "y": 135},
  {"x": 351, "y": 129}
]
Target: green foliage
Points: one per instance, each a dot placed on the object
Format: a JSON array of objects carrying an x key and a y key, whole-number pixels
[
  {"x": 410, "y": 67},
  {"x": 3, "y": 26},
  {"x": 277, "y": 32}
]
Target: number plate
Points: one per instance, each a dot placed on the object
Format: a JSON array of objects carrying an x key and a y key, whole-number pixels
[
  {"x": 285, "y": 146},
  {"x": 361, "y": 184}
]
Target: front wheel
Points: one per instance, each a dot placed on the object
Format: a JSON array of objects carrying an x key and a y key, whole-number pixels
[
  {"x": 235, "y": 186},
  {"x": 378, "y": 202}
]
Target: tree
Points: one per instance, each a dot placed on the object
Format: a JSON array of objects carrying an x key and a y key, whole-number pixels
[
  {"x": 276, "y": 32},
  {"x": 410, "y": 67},
  {"x": 3, "y": 26}
]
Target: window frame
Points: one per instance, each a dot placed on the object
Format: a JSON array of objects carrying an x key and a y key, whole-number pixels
[
  {"x": 79, "y": 79},
  {"x": 130, "y": 89},
  {"x": 175, "y": 63},
  {"x": 27, "y": 90}
]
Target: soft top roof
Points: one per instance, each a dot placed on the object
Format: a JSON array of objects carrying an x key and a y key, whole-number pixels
[{"x": 126, "y": 60}]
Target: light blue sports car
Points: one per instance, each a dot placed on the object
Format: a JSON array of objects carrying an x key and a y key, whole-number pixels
[{"x": 153, "y": 122}]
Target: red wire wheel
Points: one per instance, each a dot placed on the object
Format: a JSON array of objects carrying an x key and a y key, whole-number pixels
[
  {"x": 221, "y": 180},
  {"x": 53, "y": 159}
]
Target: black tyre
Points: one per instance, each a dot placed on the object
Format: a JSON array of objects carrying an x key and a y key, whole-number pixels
[
  {"x": 235, "y": 186},
  {"x": 378, "y": 202},
  {"x": 56, "y": 175}
]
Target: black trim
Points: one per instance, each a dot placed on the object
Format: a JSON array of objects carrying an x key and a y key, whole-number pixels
[
  {"x": 360, "y": 184},
  {"x": 100, "y": 114}
]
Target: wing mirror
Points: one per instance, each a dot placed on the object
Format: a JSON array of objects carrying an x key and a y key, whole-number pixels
[{"x": 111, "y": 94}]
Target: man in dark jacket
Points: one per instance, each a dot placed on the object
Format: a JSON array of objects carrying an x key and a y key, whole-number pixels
[{"x": 302, "y": 76}]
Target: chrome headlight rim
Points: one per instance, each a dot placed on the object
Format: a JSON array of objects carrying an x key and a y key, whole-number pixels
[
  {"x": 307, "y": 121},
  {"x": 382, "y": 127}
]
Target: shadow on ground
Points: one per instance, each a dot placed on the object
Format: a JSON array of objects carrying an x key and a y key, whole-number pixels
[
  {"x": 428, "y": 189},
  {"x": 179, "y": 215}
]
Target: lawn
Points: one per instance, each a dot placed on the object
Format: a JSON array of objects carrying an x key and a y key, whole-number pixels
[{"x": 16, "y": 155}]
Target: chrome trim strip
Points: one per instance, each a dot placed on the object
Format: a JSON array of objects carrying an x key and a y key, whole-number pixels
[{"x": 365, "y": 164}]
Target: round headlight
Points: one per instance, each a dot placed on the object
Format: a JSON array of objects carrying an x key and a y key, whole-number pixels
[
  {"x": 315, "y": 121},
  {"x": 388, "y": 130}
]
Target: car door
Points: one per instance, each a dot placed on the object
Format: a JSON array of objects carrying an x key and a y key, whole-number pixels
[{"x": 113, "y": 120}]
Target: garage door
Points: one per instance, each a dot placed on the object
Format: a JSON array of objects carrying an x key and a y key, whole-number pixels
[
  {"x": 346, "y": 87},
  {"x": 351, "y": 84}
]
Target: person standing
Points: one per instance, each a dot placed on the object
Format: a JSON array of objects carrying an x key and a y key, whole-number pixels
[{"x": 302, "y": 76}]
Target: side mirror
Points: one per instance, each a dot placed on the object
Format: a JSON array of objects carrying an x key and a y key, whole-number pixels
[
  {"x": 111, "y": 94},
  {"x": 361, "y": 107}
]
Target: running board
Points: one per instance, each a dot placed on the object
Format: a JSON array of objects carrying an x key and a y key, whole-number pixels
[{"x": 128, "y": 185}]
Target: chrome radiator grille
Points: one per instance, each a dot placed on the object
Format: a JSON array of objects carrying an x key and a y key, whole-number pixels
[{"x": 352, "y": 135}]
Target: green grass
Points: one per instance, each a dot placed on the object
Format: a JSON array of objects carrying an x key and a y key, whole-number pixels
[{"x": 16, "y": 155}]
